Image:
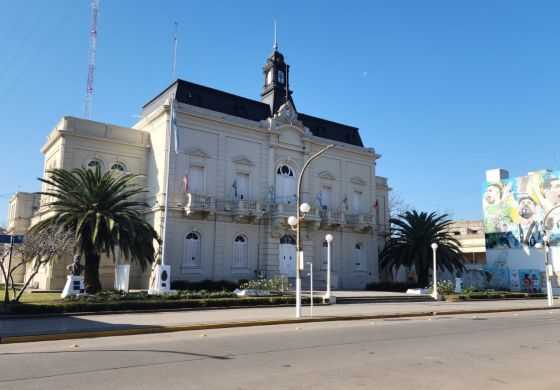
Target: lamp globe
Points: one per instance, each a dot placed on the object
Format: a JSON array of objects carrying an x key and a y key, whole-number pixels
[{"x": 292, "y": 221}]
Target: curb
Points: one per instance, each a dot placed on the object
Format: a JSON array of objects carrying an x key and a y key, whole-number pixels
[{"x": 246, "y": 324}]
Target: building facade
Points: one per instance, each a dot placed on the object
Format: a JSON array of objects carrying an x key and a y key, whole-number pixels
[
  {"x": 233, "y": 165},
  {"x": 518, "y": 213},
  {"x": 470, "y": 235}
]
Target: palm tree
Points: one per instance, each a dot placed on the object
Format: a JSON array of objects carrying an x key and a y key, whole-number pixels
[
  {"x": 409, "y": 244},
  {"x": 104, "y": 212}
]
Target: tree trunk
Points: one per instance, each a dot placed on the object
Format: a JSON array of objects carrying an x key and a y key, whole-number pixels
[
  {"x": 424, "y": 277},
  {"x": 91, "y": 274}
]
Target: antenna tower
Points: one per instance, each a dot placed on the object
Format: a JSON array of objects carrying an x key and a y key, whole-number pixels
[
  {"x": 92, "y": 50},
  {"x": 174, "y": 65}
]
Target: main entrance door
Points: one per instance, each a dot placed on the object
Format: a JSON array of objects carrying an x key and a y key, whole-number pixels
[{"x": 287, "y": 256}]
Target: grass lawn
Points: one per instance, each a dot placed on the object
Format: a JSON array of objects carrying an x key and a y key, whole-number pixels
[{"x": 44, "y": 298}]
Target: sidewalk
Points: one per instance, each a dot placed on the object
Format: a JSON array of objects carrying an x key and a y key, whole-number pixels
[{"x": 15, "y": 330}]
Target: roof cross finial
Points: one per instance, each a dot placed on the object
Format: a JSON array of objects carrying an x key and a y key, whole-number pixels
[{"x": 275, "y": 46}]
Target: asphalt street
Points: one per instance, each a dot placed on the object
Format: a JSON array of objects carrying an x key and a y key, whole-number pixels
[{"x": 499, "y": 351}]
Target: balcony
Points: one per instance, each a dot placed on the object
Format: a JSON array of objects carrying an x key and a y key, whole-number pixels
[
  {"x": 360, "y": 222},
  {"x": 198, "y": 205},
  {"x": 242, "y": 211},
  {"x": 330, "y": 219}
]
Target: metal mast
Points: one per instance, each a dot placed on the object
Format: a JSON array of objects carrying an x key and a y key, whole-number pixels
[
  {"x": 174, "y": 66},
  {"x": 91, "y": 64}
]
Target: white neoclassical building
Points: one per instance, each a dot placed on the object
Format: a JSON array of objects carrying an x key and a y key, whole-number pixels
[{"x": 232, "y": 184}]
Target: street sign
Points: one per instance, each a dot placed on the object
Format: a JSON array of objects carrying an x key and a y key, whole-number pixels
[{"x": 7, "y": 239}]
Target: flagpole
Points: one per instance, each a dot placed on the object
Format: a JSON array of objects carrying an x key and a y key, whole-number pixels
[{"x": 168, "y": 166}]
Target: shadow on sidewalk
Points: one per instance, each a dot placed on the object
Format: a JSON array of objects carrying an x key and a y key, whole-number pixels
[{"x": 60, "y": 325}]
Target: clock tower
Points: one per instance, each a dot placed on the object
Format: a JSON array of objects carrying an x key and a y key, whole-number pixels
[{"x": 276, "y": 81}]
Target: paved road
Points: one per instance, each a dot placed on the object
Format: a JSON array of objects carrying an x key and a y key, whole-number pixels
[
  {"x": 15, "y": 327},
  {"x": 501, "y": 351}
]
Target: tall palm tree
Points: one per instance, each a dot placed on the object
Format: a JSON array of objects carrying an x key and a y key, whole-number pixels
[
  {"x": 104, "y": 212},
  {"x": 409, "y": 244}
]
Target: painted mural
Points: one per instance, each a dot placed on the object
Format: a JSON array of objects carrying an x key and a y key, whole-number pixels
[{"x": 514, "y": 210}]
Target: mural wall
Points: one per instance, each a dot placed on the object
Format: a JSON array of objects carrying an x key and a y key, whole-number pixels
[{"x": 514, "y": 211}]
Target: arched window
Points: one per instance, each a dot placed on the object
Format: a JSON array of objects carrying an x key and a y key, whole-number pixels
[
  {"x": 287, "y": 239},
  {"x": 358, "y": 258},
  {"x": 94, "y": 164},
  {"x": 285, "y": 185},
  {"x": 240, "y": 252},
  {"x": 285, "y": 170},
  {"x": 192, "y": 251},
  {"x": 119, "y": 167},
  {"x": 287, "y": 256}
]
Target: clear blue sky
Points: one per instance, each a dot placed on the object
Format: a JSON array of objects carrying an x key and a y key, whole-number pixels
[{"x": 442, "y": 89}]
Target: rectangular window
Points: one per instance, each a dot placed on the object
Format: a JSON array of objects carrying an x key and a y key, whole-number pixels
[
  {"x": 356, "y": 202},
  {"x": 196, "y": 180},
  {"x": 242, "y": 180},
  {"x": 326, "y": 197}
]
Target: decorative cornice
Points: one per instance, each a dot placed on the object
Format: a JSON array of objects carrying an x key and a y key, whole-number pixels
[
  {"x": 197, "y": 152},
  {"x": 358, "y": 180},
  {"x": 243, "y": 160},
  {"x": 327, "y": 175}
]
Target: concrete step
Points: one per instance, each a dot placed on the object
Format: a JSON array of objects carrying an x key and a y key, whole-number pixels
[
  {"x": 384, "y": 299},
  {"x": 345, "y": 298}
]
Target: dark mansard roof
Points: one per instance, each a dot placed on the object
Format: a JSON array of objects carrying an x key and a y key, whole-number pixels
[{"x": 230, "y": 104}]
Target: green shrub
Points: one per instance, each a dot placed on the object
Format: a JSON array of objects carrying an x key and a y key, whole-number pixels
[
  {"x": 274, "y": 284},
  {"x": 207, "y": 285},
  {"x": 119, "y": 296},
  {"x": 491, "y": 294},
  {"x": 444, "y": 287}
]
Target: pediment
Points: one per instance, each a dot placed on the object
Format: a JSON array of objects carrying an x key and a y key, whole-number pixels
[
  {"x": 197, "y": 152},
  {"x": 290, "y": 135},
  {"x": 243, "y": 160},
  {"x": 326, "y": 175},
  {"x": 358, "y": 180}
]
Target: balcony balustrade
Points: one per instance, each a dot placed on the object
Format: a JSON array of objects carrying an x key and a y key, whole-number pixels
[
  {"x": 199, "y": 204},
  {"x": 330, "y": 219},
  {"x": 359, "y": 222},
  {"x": 247, "y": 211}
]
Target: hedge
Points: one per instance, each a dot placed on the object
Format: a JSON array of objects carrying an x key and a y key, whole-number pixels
[
  {"x": 493, "y": 295},
  {"x": 207, "y": 285},
  {"x": 78, "y": 306}
]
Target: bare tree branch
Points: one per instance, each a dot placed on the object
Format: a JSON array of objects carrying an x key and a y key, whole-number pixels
[
  {"x": 38, "y": 249},
  {"x": 397, "y": 205}
]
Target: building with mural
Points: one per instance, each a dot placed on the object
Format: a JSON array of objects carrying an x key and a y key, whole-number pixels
[{"x": 518, "y": 214}]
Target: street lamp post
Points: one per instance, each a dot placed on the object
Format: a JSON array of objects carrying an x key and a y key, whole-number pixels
[
  {"x": 329, "y": 238},
  {"x": 295, "y": 223},
  {"x": 548, "y": 273},
  {"x": 434, "y": 272},
  {"x": 311, "y": 286},
  {"x": 547, "y": 263}
]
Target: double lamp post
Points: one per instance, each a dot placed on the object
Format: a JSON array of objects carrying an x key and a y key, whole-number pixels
[{"x": 295, "y": 222}]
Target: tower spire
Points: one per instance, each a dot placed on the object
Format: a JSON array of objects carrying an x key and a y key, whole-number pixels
[{"x": 275, "y": 46}]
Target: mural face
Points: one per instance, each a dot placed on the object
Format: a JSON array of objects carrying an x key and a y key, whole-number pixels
[{"x": 514, "y": 210}]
